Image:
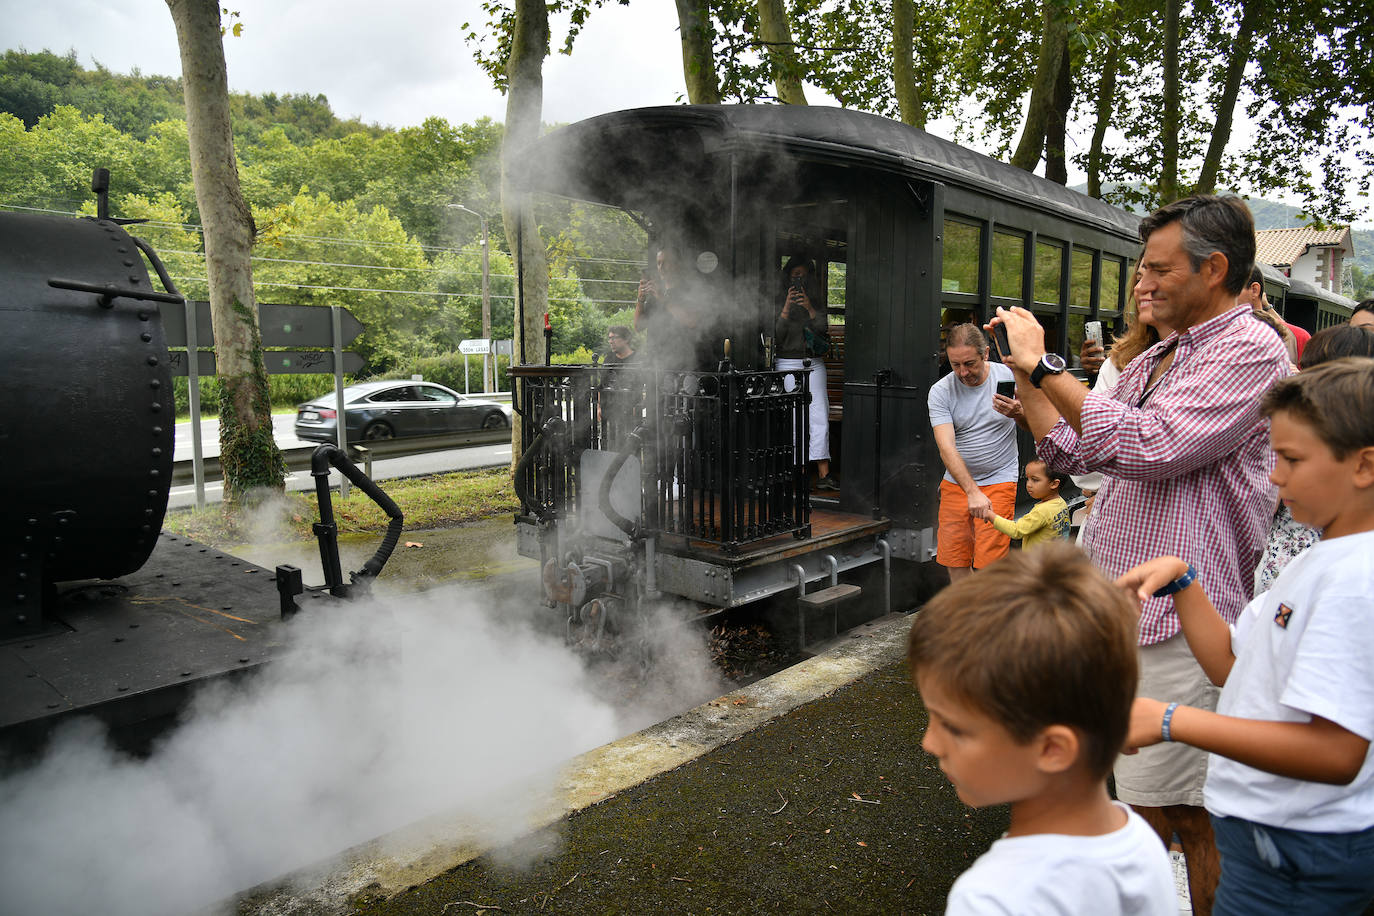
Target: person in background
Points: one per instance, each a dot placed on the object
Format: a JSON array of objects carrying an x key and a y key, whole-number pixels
[
  {"x": 1293, "y": 336},
  {"x": 618, "y": 339},
  {"x": 1289, "y": 538},
  {"x": 1271, "y": 320},
  {"x": 1290, "y": 783},
  {"x": 1363, "y": 316},
  {"x": 975, "y": 431},
  {"x": 1034, "y": 718},
  {"x": 1048, "y": 520},
  {"x": 1185, "y": 458},
  {"x": 801, "y": 321},
  {"x": 670, "y": 318}
]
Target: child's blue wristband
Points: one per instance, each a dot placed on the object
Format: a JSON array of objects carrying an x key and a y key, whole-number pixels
[
  {"x": 1178, "y": 584},
  {"x": 1164, "y": 728}
]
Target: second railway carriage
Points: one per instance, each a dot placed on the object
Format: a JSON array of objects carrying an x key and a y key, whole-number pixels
[{"x": 910, "y": 234}]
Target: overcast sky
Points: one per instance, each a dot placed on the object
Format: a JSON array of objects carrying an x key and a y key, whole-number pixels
[{"x": 393, "y": 62}]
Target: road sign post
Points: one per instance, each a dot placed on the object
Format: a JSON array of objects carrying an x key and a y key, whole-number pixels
[{"x": 281, "y": 326}]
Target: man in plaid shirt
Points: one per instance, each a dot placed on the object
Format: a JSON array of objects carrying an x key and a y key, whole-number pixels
[{"x": 1185, "y": 454}]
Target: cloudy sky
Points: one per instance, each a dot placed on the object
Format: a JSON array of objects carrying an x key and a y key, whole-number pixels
[{"x": 394, "y": 63}]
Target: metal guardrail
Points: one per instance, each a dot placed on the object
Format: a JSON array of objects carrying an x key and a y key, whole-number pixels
[{"x": 298, "y": 459}]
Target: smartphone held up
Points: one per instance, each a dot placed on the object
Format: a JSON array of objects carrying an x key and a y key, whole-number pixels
[{"x": 999, "y": 335}]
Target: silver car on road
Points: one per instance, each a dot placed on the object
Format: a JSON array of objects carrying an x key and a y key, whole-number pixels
[{"x": 395, "y": 408}]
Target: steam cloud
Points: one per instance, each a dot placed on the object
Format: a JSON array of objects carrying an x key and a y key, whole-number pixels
[{"x": 332, "y": 746}]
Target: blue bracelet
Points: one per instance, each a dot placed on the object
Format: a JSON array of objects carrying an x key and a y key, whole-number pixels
[
  {"x": 1164, "y": 729},
  {"x": 1178, "y": 584}
]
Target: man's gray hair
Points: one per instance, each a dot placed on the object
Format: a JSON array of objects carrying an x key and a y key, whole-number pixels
[{"x": 966, "y": 335}]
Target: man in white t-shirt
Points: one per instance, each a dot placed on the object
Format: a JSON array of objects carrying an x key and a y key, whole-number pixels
[{"x": 975, "y": 431}]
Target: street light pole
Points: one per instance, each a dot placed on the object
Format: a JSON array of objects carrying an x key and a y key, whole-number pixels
[{"x": 487, "y": 374}]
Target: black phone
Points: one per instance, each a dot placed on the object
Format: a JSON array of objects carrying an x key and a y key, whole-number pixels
[
  {"x": 798, "y": 284},
  {"x": 1007, "y": 389},
  {"x": 999, "y": 334}
]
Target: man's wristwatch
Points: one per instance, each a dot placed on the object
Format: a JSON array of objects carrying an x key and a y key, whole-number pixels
[{"x": 1050, "y": 364}]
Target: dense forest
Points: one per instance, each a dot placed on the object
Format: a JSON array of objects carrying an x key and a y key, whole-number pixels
[{"x": 346, "y": 213}]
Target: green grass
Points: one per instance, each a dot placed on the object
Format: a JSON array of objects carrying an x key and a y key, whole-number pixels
[{"x": 438, "y": 501}]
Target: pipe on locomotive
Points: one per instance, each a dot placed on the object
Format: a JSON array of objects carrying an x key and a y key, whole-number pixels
[
  {"x": 320, "y": 462},
  {"x": 553, "y": 426},
  {"x": 603, "y": 496}
]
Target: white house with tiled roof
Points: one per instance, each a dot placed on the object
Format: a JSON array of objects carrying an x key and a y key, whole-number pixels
[{"x": 1311, "y": 255}]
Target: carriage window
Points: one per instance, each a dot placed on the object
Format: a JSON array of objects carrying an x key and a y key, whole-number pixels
[
  {"x": 1081, "y": 278},
  {"x": 1109, "y": 285},
  {"x": 1049, "y": 263},
  {"x": 1075, "y": 339},
  {"x": 960, "y": 272},
  {"x": 1008, "y": 256},
  {"x": 836, "y": 278}
]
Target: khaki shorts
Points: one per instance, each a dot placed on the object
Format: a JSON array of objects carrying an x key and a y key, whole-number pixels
[{"x": 1172, "y": 773}]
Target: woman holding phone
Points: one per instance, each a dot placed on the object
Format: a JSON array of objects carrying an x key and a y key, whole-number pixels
[{"x": 799, "y": 332}]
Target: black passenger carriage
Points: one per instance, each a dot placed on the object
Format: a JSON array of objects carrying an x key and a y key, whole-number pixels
[{"x": 911, "y": 234}]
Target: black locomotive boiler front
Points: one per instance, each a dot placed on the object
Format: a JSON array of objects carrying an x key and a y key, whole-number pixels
[{"x": 87, "y": 414}]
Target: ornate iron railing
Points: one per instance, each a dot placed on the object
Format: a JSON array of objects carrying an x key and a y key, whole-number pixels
[{"x": 722, "y": 455}]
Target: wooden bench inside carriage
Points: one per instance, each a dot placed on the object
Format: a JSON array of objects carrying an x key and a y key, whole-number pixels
[{"x": 834, "y": 373}]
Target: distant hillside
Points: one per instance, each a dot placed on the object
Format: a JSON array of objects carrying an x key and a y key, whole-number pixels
[
  {"x": 33, "y": 84},
  {"x": 1271, "y": 214}
]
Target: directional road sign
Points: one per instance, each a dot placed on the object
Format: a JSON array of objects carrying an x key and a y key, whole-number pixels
[
  {"x": 281, "y": 325},
  {"x": 278, "y": 362}
]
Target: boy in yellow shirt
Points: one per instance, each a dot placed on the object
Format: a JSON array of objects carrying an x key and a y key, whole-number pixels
[{"x": 1048, "y": 520}]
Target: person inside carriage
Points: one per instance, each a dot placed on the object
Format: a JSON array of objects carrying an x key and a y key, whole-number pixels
[{"x": 800, "y": 335}]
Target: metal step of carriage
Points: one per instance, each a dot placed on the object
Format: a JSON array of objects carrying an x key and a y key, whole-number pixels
[{"x": 817, "y": 603}]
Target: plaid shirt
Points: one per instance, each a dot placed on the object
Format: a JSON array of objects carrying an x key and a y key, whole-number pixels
[{"x": 1187, "y": 464}]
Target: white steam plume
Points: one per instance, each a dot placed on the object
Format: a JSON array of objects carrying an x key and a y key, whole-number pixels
[{"x": 326, "y": 748}]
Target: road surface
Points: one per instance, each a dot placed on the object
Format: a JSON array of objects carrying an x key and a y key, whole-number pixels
[{"x": 458, "y": 459}]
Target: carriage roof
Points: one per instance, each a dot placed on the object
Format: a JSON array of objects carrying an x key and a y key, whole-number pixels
[{"x": 604, "y": 157}]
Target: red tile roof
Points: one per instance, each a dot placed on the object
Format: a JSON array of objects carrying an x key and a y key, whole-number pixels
[{"x": 1281, "y": 247}]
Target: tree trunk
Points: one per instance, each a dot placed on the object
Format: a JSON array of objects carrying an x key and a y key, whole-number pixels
[
  {"x": 1168, "y": 133},
  {"x": 698, "y": 57},
  {"x": 248, "y": 451},
  {"x": 524, "y": 108},
  {"x": 782, "y": 55},
  {"x": 910, "y": 105},
  {"x": 1226, "y": 105},
  {"x": 1056, "y": 131},
  {"x": 1054, "y": 39},
  {"x": 1106, "y": 96}
]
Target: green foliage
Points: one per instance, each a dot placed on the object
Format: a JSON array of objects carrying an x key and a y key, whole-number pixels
[
  {"x": 282, "y": 390},
  {"x": 447, "y": 369}
]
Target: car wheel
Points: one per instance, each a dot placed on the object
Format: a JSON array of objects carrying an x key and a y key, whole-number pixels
[
  {"x": 379, "y": 430},
  {"x": 494, "y": 421}
]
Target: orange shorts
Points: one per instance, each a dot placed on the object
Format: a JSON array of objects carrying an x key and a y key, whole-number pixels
[{"x": 965, "y": 541}]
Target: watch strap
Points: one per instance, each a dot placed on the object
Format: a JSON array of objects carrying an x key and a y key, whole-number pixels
[
  {"x": 1178, "y": 584},
  {"x": 1040, "y": 371}
]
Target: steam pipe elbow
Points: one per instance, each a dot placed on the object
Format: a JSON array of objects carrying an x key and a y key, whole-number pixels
[
  {"x": 322, "y": 459},
  {"x": 603, "y": 497}
]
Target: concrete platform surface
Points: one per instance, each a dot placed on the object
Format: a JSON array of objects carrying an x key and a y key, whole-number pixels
[{"x": 804, "y": 792}]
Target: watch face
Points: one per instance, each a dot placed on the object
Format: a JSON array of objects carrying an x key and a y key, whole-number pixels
[{"x": 1053, "y": 362}]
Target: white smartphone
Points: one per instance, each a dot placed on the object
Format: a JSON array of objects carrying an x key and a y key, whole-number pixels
[{"x": 1092, "y": 330}]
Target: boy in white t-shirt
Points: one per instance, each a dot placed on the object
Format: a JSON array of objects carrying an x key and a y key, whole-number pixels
[
  {"x": 1290, "y": 783},
  {"x": 1028, "y": 669}
]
